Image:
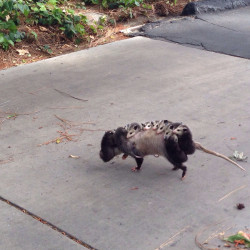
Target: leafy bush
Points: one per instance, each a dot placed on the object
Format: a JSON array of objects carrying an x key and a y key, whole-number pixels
[{"x": 43, "y": 12}]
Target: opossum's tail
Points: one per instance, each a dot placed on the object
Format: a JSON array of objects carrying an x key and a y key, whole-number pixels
[{"x": 200, "y": 147}]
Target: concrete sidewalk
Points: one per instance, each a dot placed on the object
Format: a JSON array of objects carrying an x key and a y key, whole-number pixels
[{"x": 106, "y": 205}]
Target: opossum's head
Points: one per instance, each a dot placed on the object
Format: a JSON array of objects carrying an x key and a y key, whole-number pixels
[
  {"x": 162, "y": 126},
  {"x": 182, "y": 130},
  {"x": 155, "y": 125},
  {"x": 146, "y": 125},
  {"x": 108, "y": 146},
  {"x": 134, "y": 128},
  {"x": 170, "y": 128}
]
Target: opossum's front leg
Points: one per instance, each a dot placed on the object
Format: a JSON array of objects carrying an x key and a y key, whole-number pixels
[{"x": 139, "y": 162}]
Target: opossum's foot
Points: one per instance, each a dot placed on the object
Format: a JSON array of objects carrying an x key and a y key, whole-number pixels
[
  {"x": 135, "y": 169},
  {"x": 184, "y": 169},
  {"x": 182, "y": 178},
  {"x": 124, "y": 157},
  {"x": 175, "y": 168}
]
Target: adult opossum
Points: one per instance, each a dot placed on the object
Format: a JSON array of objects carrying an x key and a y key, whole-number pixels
[{"x": 148, "y": 142}]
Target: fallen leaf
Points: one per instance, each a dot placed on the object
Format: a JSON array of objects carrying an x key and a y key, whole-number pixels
[
  {"x": 58, "y": 141},
  {"x": 42, "y": 28},
  {"x": 134, "y": 188},
  {"x": 22, "y": 52},
  {"x": 74, "y": 156},
  {"x": 233, "y": 138}
]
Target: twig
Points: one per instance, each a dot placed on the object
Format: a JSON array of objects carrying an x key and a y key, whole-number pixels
[
  {"x": 66, "y": 94},
  {"x": 92, "y": 130},
  {"x": 63, "y": 120},
  {"x": 70, "y": 107},
  {"x": 232, "y": 193},
  {"x": 72, "y": 123},
  {"x": 6, "y": 161},
  {"x": 170, "y": 240},
  {"x": 200, "y": 245}
]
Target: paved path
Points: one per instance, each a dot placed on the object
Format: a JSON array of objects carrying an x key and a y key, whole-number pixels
[
  {"x": 106, "y": 205},
  {"x": 226, "y": 32}
]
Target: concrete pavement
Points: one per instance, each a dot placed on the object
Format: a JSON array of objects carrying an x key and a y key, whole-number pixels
[{"x": 107, "y": 205}]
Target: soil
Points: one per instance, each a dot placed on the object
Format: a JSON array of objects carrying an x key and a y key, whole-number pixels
[{"x": 51, "y": 43}]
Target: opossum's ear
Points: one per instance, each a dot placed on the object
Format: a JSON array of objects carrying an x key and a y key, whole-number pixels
[
  {"x": 143, "y": 125},
  {"x": 166, "y": 121},
  {"x": 135, "y": 127},
  {"x": 185, "y": 129}
]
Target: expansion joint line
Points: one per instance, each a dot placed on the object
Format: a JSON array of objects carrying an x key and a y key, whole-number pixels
[{"x": 45, "y": 222}]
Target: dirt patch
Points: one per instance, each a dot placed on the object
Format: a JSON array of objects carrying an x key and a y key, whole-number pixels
[{"x": 51, "y": 43}]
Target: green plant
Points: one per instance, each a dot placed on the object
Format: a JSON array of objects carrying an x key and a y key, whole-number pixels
[{"x": 42, "y": 12}]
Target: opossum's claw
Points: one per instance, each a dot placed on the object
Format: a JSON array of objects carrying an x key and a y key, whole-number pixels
[{"x": 135, "y": 169}]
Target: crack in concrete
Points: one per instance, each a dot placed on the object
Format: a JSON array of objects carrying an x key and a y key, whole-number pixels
[
  {"x": 204, "y": 20},
  {"x": 198, "y": 45},
  {"x": 174, "y": 41},
  {"x": 47, "y": 223}
]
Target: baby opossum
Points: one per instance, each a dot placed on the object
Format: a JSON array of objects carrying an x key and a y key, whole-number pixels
[
  {"x": 146, "y": 125},
  {"x": 132, "y": 129},
  {"x": 185, "y": 139},
  {"x": 188, "y": 145},
  {"x": 174, "y": 152},
  {"x": 155, "y": 124},
  {"x": 162, "y": 126}
]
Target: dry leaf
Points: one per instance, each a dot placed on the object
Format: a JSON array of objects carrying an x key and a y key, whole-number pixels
[
  {"x": 43, "y": 28},
  {"x": 74, "y": 156},
  {"x": 22, "y": 52},
  {"x": 58, "y": 141}
]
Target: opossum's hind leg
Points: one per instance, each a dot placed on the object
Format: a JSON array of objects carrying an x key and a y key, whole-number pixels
[
  {"x": 139, "y": 162},
  {"x": 182, "y": 167}
]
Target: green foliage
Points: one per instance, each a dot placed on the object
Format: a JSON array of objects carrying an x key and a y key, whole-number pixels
[
  {"x": 42, "y": 12},
  {"x": 116, "y": 3}
]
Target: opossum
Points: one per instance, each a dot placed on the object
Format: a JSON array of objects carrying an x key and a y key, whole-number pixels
[{"x": 148, "y": 142}]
